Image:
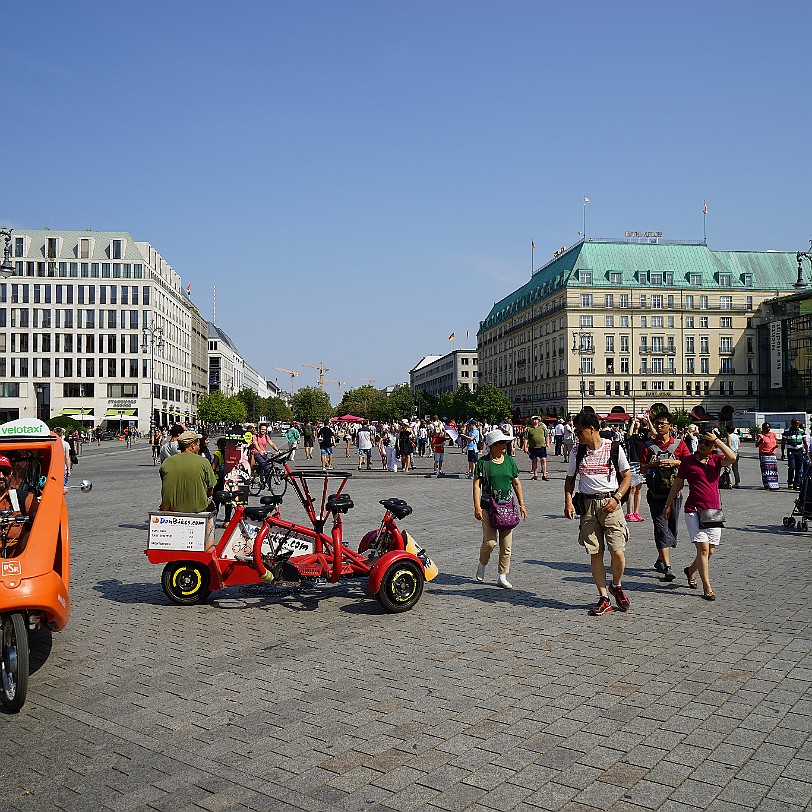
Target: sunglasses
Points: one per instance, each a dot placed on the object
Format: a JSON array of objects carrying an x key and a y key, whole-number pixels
[
  {"x": 660, "y": 425},
  {"x": 581, "y": 429}
]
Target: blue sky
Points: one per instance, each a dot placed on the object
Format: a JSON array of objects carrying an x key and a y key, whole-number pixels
[{"x": 360, "y": 179}]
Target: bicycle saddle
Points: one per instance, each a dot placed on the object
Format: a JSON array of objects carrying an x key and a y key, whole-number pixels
[
  {"x": 397, "y": 507},
  {"x": 258, "y": 514},
  {"x": 270, "y": 500},
  {"x": 222, "y": 497},
  {"x": 339, "y": 504}
]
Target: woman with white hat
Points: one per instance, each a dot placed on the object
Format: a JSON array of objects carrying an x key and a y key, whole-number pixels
[{"x": 500, "y": 475}]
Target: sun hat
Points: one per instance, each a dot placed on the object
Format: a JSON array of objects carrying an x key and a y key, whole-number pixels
[
  {"x": 496, "y": 436},
  {"x": 189, "y": 437},
  {"x": 535, "y": 417},
  {"x": 5, "y": 462}
]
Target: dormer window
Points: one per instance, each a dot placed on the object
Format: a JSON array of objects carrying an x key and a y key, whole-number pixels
[
  {"x": 695, "y": 280},
  {"x": 116, "y": 249},
  {"x": 656, "y": 278},
  {"x": 615, "y": 277},
  {"x": 85, "y": 247},
  {"x": 724, "y": 280},
  {"x": 585, "y": 277}
]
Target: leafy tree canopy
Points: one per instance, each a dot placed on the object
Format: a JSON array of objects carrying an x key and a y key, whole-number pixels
[{"x": 311, "y": 403}]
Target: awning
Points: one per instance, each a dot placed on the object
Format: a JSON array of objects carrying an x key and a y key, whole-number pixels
[
  {"x": 121, "y": 412},
  {"x": 617, "y": 416},
  {"x": 88, "y": 412}
]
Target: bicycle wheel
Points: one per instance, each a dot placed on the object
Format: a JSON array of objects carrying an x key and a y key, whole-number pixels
[
  {"x": 278, "y": 483},
  {"x": 256, "y": 484}
]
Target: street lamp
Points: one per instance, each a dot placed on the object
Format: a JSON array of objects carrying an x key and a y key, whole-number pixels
[
  {"x": 153, "y": 339},
  {"x": 7, "y": 266},
  {"x": 801, "y": 255},
  {"x": 581, "y": 346}
]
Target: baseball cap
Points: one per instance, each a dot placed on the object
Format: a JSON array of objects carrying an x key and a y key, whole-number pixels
[
  {"x": 535, "y": 417},
  {"x": 189, "y": 436},
  {"x": 5, "y": 462}
]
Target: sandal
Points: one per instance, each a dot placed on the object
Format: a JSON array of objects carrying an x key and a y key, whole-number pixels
[
  {"x": 709, "y": 596},
  {"x": 691, "y": 581}
]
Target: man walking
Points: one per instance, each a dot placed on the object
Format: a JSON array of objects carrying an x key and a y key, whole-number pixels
[
  {"x": 659, "y": 461},
  {"x": 603, "y": 480},
  {"x": 326, "y": 440},
  {"x": 365, "y": 445},
  {"x": 792, "y": 442},
  {"x": 308, "y": 435},
  {"x": 536, "y": 441},
  {"x": 292, "y": 436},
  {"x": 559, "y": 436}
]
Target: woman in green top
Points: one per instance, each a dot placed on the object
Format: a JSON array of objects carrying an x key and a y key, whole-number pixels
[{"x": 500, "y": 475}]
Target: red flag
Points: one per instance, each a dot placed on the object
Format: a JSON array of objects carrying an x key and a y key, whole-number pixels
[
  {"x": 704, "y": 207},
  {"x": 189, "y": 289}
]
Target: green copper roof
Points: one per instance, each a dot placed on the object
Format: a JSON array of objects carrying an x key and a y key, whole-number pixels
[{"x": 768, "y": 270}]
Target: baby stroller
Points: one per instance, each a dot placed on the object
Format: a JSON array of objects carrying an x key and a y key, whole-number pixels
[{"x": 802, "y": 512}]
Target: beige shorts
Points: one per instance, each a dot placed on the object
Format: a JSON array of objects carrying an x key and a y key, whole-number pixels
[{"x": 599, "y": 530}]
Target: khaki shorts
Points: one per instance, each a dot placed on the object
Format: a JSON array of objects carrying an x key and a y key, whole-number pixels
[{"x": 599, "y": 530}]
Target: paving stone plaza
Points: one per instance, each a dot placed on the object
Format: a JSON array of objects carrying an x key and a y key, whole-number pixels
[{"x": 479, "y": 699}]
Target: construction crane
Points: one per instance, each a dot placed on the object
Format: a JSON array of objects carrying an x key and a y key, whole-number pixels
[
  {"x": 292, "y": 376},
  {"x": 322, "y": 369},
  {"x": 340, "y": 384}
]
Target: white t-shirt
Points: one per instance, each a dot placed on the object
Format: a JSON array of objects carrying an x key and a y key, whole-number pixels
[
  {"x": 559, "y": 429},
  {"x": 595, "y": 474},
  {"x": 364, "y": 438}
]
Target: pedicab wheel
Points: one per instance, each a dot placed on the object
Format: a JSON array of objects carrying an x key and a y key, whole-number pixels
[
  {"x": 278, "y": 483},
  {"x": 803, "y": 525},
  {"x": 255, "y": 485},
  {"x": 786, "y": 521},
  {"x": 791, "y": 521},
  {"x": 401, "y": 587},
  {"x": 186, "y": 582},
  {"x": 13, "y": 661}
]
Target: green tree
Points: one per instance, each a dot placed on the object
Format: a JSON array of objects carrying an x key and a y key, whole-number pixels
[
  {"x": 254, "y": 404},
  {"x": 212, "y": 408},
  {"x": 67, "y": 423},
  {"x": 311, "y": 403},
  {"x": 235, "y": 410},
  {"x": 401, "y": 403},
  {"x": 278, "y": 409},
  {"x": 364, "y": 401},
  {"x": 492, "y": 405},
  {"x": 681, "y": 418}
]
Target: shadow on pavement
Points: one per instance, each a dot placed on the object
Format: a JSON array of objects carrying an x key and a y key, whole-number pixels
[
  {"x": 120, "y": 592},
  {"x": 490, "y": 593}
]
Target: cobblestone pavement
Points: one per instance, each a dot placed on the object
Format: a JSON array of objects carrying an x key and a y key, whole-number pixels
[{"x": 478, "y": 699}]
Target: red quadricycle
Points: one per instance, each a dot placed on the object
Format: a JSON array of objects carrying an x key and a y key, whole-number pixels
[
  {"x": 34, "y": 548},
  {"x": 258, "y": 545}
]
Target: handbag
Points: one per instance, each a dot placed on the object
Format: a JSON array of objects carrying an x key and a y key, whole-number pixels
[
  {"x": 710, "y": 517},
  {"x": 74, "y": 459},
  {"x": 502, "y": 515},
  {"x": 579, "y": 503}
]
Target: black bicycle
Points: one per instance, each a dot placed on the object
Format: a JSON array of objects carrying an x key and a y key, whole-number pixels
[{"x": 271, "y": 476}]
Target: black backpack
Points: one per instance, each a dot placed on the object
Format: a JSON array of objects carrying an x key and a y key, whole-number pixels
[
  {"x": 724, "y": 479},
  {"x": 614, "y": 455},
  {"x": 659, "y": 480}
]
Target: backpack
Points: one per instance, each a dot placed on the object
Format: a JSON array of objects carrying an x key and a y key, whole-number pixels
[
  {"x": 658, "y": 480},
  {"x": 724, "y": 479},
  {"x": 614, "y": 454}
]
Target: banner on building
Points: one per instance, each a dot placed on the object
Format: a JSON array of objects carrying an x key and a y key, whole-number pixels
[{"x": 776, "y": 358}]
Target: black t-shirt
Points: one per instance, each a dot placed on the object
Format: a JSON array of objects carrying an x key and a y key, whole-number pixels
[
  {"x": 635, "y": 443},
  {"x": 326, "y": 436}
]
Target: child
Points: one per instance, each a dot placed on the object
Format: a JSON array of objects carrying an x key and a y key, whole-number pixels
[{"x": 438, "y": 447}]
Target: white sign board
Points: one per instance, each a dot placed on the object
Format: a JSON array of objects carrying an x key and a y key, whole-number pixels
[
  {"x": 191, "y": 532},
  {"x": 776, "y": 358}
]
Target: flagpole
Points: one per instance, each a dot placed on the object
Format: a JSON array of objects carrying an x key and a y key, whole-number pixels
[
  {"x": 584, "y": 231},
  {"x": 532, "y": 263},
  {"x": 705, "y": 221}
]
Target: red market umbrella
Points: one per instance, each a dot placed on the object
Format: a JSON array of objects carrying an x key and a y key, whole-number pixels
[
  {"x": 619, "y": 417},
  {"x": 350, "y": 418}
]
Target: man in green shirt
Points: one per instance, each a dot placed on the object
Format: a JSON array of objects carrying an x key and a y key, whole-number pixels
[
  {"x": 536, "y": 441},
  {"x": 187, "y": 479}
]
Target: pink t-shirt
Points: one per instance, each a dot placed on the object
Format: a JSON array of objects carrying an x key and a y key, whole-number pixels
[
  {"x": 768, "y": 443},
  {"x": 703, "y": 482}
]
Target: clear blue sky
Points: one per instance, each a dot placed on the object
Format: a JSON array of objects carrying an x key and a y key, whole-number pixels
[{"x": 360, "y": 179}]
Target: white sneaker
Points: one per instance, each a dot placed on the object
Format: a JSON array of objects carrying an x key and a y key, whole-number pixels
[
  {"x": 503, "y": 582},
  {"x": 480, "y": 572}
]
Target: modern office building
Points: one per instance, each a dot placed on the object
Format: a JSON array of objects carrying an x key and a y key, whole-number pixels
[
  {"x": 226, "y": 365},
  {"x": 619, "y": 324},
  {"x": 79, "y": 322},
  {"x": 435, "y": 374}
]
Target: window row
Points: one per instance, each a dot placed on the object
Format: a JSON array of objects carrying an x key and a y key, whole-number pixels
[
  {"x": 83, "y": 270},
  {"x": 658, "y": 302},
  {"x": 64, "y": 294},
  {"x": 116, "y": 343},
  {"x": 73, "y": 367},
  {"x": 655, "y": 278},
  {"x": 70, "y": 318}
]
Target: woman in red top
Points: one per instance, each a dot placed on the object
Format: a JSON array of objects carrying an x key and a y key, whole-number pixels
[
  {"x": 766, "y": 443},
  {"x": 702, "y": 471}
]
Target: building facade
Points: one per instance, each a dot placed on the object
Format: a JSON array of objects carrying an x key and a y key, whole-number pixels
[
  {"x": 618, "y": 324},
  {"x": 785, "y": 353},
  {"x": 72, "y": 331},
  {"x": 226, "y": 365},
  {"x": 435, "y": 374}
]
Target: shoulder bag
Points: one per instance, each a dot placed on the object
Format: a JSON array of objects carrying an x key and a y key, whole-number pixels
[
  {"x": 502, "y": 515},
  {"x": 710, "y": 517}
]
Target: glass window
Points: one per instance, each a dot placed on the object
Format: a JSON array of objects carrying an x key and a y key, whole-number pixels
[
  {"x": 84, "y": 248},
  {"x": 610, "y": 321},
  {"x": 610, "y": 343},
  {"x": 656, "y": 278},
  {"x": 689, "y": 302},
  {"x": 586, "y": 321},
  {"x": 642, "y": 300},
  {"x": 624, "y": 366},
  {"x": 689, "y": 321},
  {"x": 105, "y": 270},
  {"x": 703, "y": 344},
  {"x": 624, "y": 321},
  {"x": 94, "y": 270},
  {"x": 614, "y": 277},
  {"x": 586, "y": 300},
  {"x": 116, "y": 254},
  {"x": 704, "y": 365},
  {"x": 726, "y": 322},
  {"x": 624, "y": 343},
  {"x": 656, "y": 321},
  {"x": 690, "y": 366},
  {"x": 703, "y": 302},
  {"x": 116, "y": 270},
  {"x": 703, "y": 321},
  {"x": 657, "y": 301},
  {"x": 689, "y": 344},
  {"x": 695, "y": 280},
  {"x": 609, "y": 300},
  {"x": 585, "y": 277},
  {"x": 643, "y": 321},
  {"x": 724, "y": 280},
  {"x": 725, "y": 302}
]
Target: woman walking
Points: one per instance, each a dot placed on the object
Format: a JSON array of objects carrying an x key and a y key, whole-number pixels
[
  {"x": 405, "y": 445},
  {"x": 766, "y": 443},
  {"x": 496, "y": 476},
  {"x": 703, "y": 507},
  {"x": 732, "y": 441}
]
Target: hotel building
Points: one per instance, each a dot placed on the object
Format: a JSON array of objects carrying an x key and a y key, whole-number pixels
[{"x": 620, "y": 324}]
